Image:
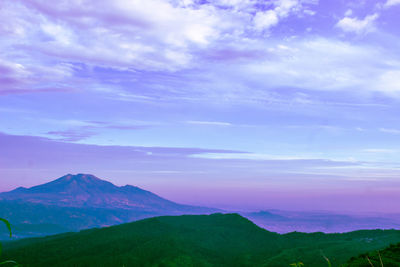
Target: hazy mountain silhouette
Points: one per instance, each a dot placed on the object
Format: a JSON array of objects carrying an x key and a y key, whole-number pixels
[
  {"x": 327, "y": 222},
  {"x": 88, "y": 191},
  {"x": 75, "y": 202}
]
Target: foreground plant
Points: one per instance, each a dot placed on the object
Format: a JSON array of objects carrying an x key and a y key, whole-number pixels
[
  {"x": 380, "y": 259},
  {"x": 7, "y": 223},
  {"x": 327, "y": 260},
  {"x": 299, "y": 264}
]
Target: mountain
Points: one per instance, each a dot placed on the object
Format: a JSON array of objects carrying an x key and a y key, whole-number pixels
[
  {"x": 194, "y": 240},
  {"x": 75, "y": 202},
  {"x": 86, "y": 190},
  {"x": 327, "y": 222}
]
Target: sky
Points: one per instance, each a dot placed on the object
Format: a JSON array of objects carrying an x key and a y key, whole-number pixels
[{"x": 286, "y": 104}]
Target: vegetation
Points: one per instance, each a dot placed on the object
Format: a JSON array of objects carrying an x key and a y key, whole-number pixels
[
  {"x": 297, "y": 264},
  {"x": 388, "y": 257},
  {"x": 8, "y": 225},
  {"x": 197, "y": 240}
]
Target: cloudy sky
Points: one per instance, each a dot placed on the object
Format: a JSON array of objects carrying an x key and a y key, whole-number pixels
[{"x": 290, "y": 104}]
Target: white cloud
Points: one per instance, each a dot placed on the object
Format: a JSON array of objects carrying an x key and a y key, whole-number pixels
[
  {"x": 390, "y": 3},
  {"x": 341, "y": 66},
  {"x": 265, "y": 20},
  {"x": 309, "y": 12},
  {"x": 348, "y": 13},
  {"x": 51, "y": 44},
  {"x": 295, "y": 65},
  {"x": 358, "y": 26},
  {"x": 389, "y": 82},
  {"x": 151, "y": 35},
  {"x": 285, "y": 7},
  {"x": 58, "y": 33},
  {"x": 237, "y": 4}
]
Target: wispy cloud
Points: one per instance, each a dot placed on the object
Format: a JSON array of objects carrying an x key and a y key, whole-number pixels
[
  {"x": 71, "y": 135},
  {"x": 379, "y": 150},
  {"x": 81, "y": 130},
  {"x": 47, "y": 144},
  {"x": 301, "y": 162},
  {"x": 266, "y": 19},
  {"x": 212, "y": 123},
  {"x": 390, "y": 131},
  {"x": 390, "y": 3}
]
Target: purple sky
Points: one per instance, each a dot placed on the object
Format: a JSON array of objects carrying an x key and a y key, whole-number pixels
[{"x": 290, "y": 104}]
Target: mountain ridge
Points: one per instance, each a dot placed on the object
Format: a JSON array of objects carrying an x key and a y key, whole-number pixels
[
  {"x": 87, "y": 190},
  {"x": 83, "y": 201}
]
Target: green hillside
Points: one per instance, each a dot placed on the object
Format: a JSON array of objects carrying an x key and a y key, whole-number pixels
[{"x": 194, "y": 240}]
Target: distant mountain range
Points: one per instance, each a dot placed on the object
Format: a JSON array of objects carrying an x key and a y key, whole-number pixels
[
  {"x": 196, "y": 240},
  {"x": 75, "y": 202},
  {"x": 327, "y": 222}
]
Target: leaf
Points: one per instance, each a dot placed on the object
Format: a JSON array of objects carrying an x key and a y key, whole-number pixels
[
  {"x": 7, "y": 262},
  {"x": 369, "y": 261},
  {"x": 380, "y": 258},
  {"x": 7, "y": 223},
  {"x": 297, "y": 264},
  {"x": 326, "y": 258}
]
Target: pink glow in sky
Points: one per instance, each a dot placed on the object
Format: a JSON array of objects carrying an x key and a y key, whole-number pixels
[{"x": 181, "y": 175}]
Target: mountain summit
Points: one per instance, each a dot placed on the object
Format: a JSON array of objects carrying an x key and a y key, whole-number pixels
[
  {"x": 86, "y": 190},
  {"x": 69, "y": 184}
]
